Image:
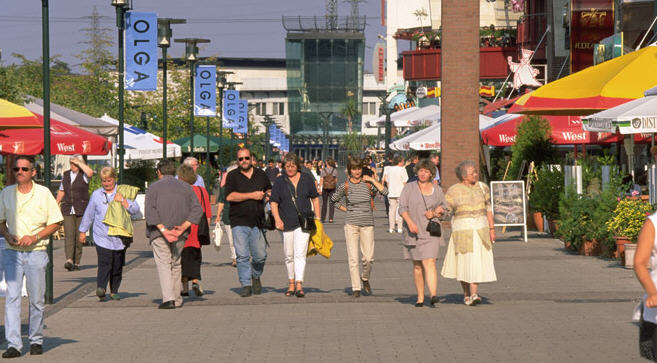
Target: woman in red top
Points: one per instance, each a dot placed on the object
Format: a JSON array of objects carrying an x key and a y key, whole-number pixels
[{"x": 191, "y": 255}]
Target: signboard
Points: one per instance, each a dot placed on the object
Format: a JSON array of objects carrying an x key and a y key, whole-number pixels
[
  {"x": 608, "y": 48},
  {"x": 590, "y": 22},
  {"x": 421, "y": 92},
  {"x": 379, "y": 62},
  {"x": 140, "y": 51},
  {"x": 508, "y": 204},
  {"x": 205, "y": 92},
  {"x": 242, "y": 121},
  {"x": 229, "y": 117}
]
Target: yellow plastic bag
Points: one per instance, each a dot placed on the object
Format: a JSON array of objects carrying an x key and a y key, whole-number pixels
[{"x": 319, "y": 242}]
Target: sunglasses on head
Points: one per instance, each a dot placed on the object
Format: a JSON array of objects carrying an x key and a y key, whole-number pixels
[
  {"x": 244, "y": 158},
  {"x": 23, "y": 168}
]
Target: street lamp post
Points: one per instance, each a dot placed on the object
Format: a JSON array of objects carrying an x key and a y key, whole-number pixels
[
  {"x": 267, "y": 123},
  {"x": 191, "y": 55},
  {"x": 121, "y": 6},
  {"x": 384, "y": 109},
  {"x": 221, "y": 78},
  {"x": 326, "y": 117},
  {"x": 164, "y": 42},
  {"x": 45, "y": 34}
]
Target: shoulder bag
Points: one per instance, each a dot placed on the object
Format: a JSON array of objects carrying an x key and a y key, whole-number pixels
[
  {"x": 203, "y": 231},
  {"x": 433, "y": 227}
]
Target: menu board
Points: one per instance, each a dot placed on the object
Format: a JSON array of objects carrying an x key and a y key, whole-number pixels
[{"x": 509, "y": 204}]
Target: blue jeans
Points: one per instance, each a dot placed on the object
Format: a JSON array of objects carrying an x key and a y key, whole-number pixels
[
  {"x": 33, "y": 266},
  {"x": 251, "y": 251}
]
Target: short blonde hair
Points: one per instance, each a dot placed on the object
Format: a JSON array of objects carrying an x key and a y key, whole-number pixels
[
  {"x": 186, "y": 174},
  {"x": 108, "y": 172}
]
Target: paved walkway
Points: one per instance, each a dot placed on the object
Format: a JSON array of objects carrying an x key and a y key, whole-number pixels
[{"x": 548, "y": 305}]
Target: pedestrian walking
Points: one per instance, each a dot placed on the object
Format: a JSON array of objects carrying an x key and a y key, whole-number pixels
[
  {"x": 73, "y": 194},
  {"x": 410, "y": 168},
  {"x": 420, "y": 203},
  {"x": 469, "y": 256},
  {"x": 358, "y": 194},
  {"x": 291, "y": 199},
  {"x": 272, "y": 171},
  {"x": 246, "y": 189},
  {"x": 645, "y": 260},
  {"x": 191, "y": 256},
  {"x": 328, "y": 181},
  {"x": 193, "y": 163},
  {"x": 395, "y": 178},
  {"x": 110, "y": 249},
  {"x": 223, "y": 212},
  {"x": 387, "y": 162},
  {"x": 171, "y": 209},
  {"x": 435, "y": 159},
  {"x": 28, "y": 216}
]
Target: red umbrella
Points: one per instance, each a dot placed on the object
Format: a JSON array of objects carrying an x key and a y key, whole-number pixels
[
  {"x": 566, "y": 130},
  {"x": 64, "y": 140}
]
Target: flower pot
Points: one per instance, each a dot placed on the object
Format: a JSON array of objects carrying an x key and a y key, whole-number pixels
[
  {"x": 590, "y": 248},
  {"x": 620, "y": 248},
  {"x": 630, "y": 249},
  {"x": 553, "y": 225},
  {"x": 538, "y": 220}
]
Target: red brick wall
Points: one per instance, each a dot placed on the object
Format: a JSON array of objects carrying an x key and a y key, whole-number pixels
[{"x": 460, "y": 86}]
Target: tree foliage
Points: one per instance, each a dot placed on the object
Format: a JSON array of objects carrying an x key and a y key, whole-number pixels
[{"x": 533, "y": 143}]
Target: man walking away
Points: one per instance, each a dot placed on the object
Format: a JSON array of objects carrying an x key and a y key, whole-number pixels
[
  {"x": 272, "y": 171},
  {"x": 171, "y": 208},
  {"x": 395, "y": 178},
  {"x": 246, "y": 188}
]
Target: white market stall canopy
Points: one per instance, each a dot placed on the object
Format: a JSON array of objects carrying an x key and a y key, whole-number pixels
[
  {"x": 75, "y": 118},
  {"x": 429, "y": 138},
  {"x": 635, "y": 117},
  {"x": 412, "y": 116}
]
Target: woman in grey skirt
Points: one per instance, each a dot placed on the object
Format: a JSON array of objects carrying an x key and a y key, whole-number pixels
[{"x": 420, "y": 202}]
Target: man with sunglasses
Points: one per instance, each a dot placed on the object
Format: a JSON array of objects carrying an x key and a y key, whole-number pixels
[
  {"x": 246, "y": 189},
  {"x": 28, "y": 216}
]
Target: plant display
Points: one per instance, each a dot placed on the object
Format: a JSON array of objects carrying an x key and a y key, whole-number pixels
[
  {"x": 547, "y": 188},
  {"x": 533, "y": 143},
  {"x": 628, "y": 218}
]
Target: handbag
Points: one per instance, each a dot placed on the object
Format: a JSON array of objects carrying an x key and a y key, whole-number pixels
[
  {"x": 203, "y": 231},
  {"x": 307, "y": 223},
  {"x": 433, "y": 227},
  {"x": 269, "y": 223}
]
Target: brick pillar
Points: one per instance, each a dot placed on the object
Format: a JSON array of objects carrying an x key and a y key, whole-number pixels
[{"x": 460, "y": 86}]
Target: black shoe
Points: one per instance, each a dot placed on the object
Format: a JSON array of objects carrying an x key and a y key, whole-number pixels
[
  {"x": 246, "y": 291},
  {"x": 419, "y": 304},
  {"x": 76, "y": 268},
  {"x": 11, "y": 353},
  {"x": 100, "y": 292},
  {"x": 68, "y": 265},
  {"x": 184, "y": 293},
  {"x": 434, "y": 300},
  {"x": 357, "y": 293},
  {"x": 167, "y": 305},
  {"x": 36, "y": 349},
  {"x": 257, "y": 286},
  {"x": 367, "y": 287}
]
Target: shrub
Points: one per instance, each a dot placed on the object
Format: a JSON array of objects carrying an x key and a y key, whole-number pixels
[
  {"x": 628, "y": 218},
  {"x": 533, "y": 143},
  {"x": 545, "y": 192}
]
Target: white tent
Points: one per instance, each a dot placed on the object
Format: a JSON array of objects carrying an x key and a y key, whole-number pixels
[
  {"x": 429, "y": 138},
  {"x": 380, "y": 121},
  {"x": 140, "y": 145},
  {"x": 411, "y": 116},
  {"x": 634, "y": 117}
]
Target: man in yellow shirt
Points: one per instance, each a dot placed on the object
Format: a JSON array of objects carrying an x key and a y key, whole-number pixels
[{"x": 28, "y": 216}]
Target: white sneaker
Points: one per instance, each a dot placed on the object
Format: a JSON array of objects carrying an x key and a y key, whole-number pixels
[
  {"x": 390, "y": 231},
  {"x": 399, "y": 230}
]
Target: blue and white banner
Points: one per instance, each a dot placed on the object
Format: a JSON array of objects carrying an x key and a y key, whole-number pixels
[
  {"x": 286, "y": 145},
  {"x": 280, "y": 136},
  {"x": 229, "y": 117},
  {"x": 140, "y": 51},
  {"x": 205, "y": 92},
  {"x": 242, "y": 117},
  {"x": 277, "y": 137},
  {"x": 272, "y": 134}
]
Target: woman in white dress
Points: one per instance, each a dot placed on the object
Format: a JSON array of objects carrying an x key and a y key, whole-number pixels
[
  {"x": 646, "y": 255},
  {"x": 469, "y": 257}
]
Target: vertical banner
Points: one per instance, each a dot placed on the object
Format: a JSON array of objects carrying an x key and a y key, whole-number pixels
[
  {"x": 140, "y": 51},
  {"x": 241, "y": 126},
  {"x": 229, "y": 117},
  {"x": 205, "y": 92},
  {"x": 277, "y": 137},
  {"x": 272, "y": 134},
  {"x": 591, "y": 21}
]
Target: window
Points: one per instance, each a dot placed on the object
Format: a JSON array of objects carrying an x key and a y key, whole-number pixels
[
  {"x": 261, "y": 108},
  {"x": 278, "y": 108},
  {"x": 365, "y": 109},
  {"x": 372, "y": 108}
]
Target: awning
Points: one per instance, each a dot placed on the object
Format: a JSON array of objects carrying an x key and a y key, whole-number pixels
[
  {"x": 409, "y": 117},
  {"x": 638, "y": 116},
  {"x": 429, "y": 138},
  {"x": 75, "y": 118},
  {"x": 13, "y": 116}
]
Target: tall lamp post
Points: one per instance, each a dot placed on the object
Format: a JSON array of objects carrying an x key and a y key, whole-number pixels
[
  {"x": 267, "y": 123},
  {"x": 164, "y": 42},
  {"x": 221, "y": 79},
  {"x": 121, "y": 7},
  {"x": 191, "y": 55},
  {"x": 384, "y": 109},
  {"x": 326, "y": 117},
  {"x": 45, "y": 34}
]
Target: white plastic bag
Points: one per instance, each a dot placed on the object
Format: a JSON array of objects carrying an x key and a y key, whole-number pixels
[{"x": 218, "y": 235}]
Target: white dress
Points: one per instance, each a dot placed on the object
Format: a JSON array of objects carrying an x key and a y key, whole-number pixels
[{"x": 650, "y": 314}]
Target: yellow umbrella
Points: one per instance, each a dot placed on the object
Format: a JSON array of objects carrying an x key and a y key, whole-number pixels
[
  {"x": 596, "y": 88},
  {"x": 13, "y": 116}
]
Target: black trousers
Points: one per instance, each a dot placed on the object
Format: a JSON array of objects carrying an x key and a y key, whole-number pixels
[
  {"x": 110, "y": 268},
  {"x": 326, "y": 202}
]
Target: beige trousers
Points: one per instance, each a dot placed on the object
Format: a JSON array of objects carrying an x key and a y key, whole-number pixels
[
  {"x": 362, "y": 237},
  {"x": 167, "y": 260},
  {"x": 393, "y": 214}
]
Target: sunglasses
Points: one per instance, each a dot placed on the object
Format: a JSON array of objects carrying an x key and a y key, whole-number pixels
[
  {"x": 244, "y": 158},
  {"x": 24, "y": 168}
]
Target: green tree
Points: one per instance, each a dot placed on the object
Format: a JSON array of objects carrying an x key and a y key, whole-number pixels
[
  {"x": 533, "y": 143},
  {"x": 350, "y": 111}
]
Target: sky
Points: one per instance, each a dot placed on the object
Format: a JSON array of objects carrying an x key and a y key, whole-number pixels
[{"x": 242, "y": 28}]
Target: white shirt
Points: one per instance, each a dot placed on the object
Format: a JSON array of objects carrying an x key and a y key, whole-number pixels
[{"x": 396, "y": 177}]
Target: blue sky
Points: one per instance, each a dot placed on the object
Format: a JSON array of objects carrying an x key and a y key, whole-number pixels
[{"x": 218, "y": 20}]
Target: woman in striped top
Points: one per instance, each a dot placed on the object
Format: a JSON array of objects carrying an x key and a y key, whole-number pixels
[{"x": 358, "y": 193}]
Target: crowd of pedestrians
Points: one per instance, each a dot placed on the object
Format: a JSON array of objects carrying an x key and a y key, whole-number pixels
[{"x": 178, "y": 215}]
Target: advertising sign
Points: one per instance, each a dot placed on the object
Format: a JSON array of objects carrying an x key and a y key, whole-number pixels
[
  {"x": 608, "y": 48},
  {"x": 140, "y": 51},
  {"x": 205, "y": 92},
  {"x": 590, "y": 22},
  {"x": 379, "y": 62},
  {"x": 242, "y": 121},
  {"x": 508, "y": 204},
  {"x": 229, "y": 117}
]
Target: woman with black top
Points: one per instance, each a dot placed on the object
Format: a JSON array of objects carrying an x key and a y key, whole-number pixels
[{"x": 291, "y": 198}]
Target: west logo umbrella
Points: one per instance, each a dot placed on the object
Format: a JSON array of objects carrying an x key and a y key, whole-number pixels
[{"x": 13, "y": 116}]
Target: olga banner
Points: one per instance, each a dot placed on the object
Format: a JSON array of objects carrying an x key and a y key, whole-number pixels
[
  {"x": 591, "y": 21},
  {"x": 205, "y": 92},
  {"x": 141, "y": 51},
  {"x": 242, "y": 117},
  {"x": 229, "y": 117}
]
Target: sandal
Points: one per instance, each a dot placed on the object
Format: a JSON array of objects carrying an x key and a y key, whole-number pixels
[
  {"x": 290, "y": 290},
  {"x": 299, "y": 292},
  {"x": 467, "y": 301},
  {"x": 475, "y": 299}
]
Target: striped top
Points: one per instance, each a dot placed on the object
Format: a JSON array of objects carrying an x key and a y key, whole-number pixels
[{"x": 359, "y": 208}]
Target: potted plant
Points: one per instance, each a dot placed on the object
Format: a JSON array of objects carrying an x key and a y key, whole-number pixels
[
  {"x": 544, "y": 197},
  {"x": 626, "y": 222}
]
